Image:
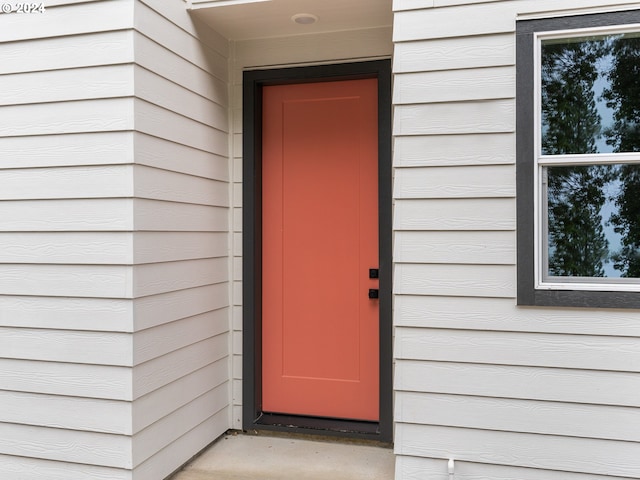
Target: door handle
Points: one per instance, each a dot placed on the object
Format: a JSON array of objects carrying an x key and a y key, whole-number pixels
[{"x": 374, "y": 292}]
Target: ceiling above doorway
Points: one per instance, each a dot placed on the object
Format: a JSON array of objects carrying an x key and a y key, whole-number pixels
[{"x": 251, "y": 19}]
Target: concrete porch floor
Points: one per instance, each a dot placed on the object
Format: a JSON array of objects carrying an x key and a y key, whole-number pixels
[{"x": 238, "y": 456}]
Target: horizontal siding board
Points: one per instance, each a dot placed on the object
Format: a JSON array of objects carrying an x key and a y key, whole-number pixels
[
  {"x": 159, "y": 91},
  {"x": 237, "y": 367},
  {"x": 66, "y": 247},
  {"x": 449, "y": 3},
  {"x": 72, "y": 413},
  {"x": 533, "y": 383},
  {"x": 68, "y": 117},
  {"x": 237, "y": 219},
  {"x": 104, "y": 281},
  {"x": 67, "y": 85},
  {"x": 237, "y": 318},
  {"x": 156, "y": 310},
  {"x": 169, "y": 216},
  {"x": 594, "y": 456},
  {"x": 38, "y": 469},
  {"x": 165, "y": 63},
  {"x": 577, "y": 7},
  {"x": 503, "y": 314},
  {"x": 158, "y": 341},
  {"x": 455, "y": 247},
  {"x": 237, "y": 269},
  {"x": 106, "y": 148},
  {"x": 195, "y": 4},
  {"x": 160, "y": 122},
  {"x": 178, "y": 15},
  {"x": 173, "y": 456},
  {"x": 88, "y": 17},
  {"x": 456, "y": 18},
  {"x": 93, "y": 381},
  {"x": 104, "y": 348},
  {"x": 152, "y": 24},
  {"x": 155, "y": 247},
  {"x": 155, "y": 278},
  {"x": 165, "y": 431},
  {"x": 56, "y": 3},
  {"x": 161, "y": 371},
  {"x": 157, "y": 184},
  {"x": 526, "y": 416},
  {"x": 455, "y": 182},
  {"x": 546, "y": 7},
  {"x": 65, "y": 445},
  {"x": 67, "y": 182},
  {"x": 455, "y": 214},
  {"x": 419, "y": 468},
  {"x": 400, "y": 5},
  {"x": 237, "y": 293},
  {"x": 66, "y": 313},
  {"x": 237, "y": 391},
  {"x": 527, "y": 349},
  {"x": 165, "y": 400},
  {"x": 454, "y": 150},
  {"x": 453, "y": 22},
  {"x": 454, "y": 53},
  {"x": 237, "y": 194},
  {"x": 161, "y": 153},
  {"x": 455, "y": 280},
  {"x": 454, "y": 86},
  {"x": 73, "y": 51},
  {"x": 490, "y": 116}
]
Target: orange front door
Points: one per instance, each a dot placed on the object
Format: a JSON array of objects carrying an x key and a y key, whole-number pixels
[{"x": 320, "y": 329}]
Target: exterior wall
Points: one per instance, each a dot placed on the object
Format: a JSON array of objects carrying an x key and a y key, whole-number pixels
[
  {"x": 508, "y": 392},
  {"x": 181, "y": 389},
  {"x": 114, "y": 292},
  {"x": 117, "y": 202},
  {"x": 270, "y": 53},
  {"x": 66, "y": 315}
]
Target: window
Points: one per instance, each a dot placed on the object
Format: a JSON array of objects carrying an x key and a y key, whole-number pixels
[{"x": 578, "y": 160}]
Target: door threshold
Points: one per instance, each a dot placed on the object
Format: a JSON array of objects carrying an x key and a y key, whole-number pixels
[{"x": 320, "y": 426}]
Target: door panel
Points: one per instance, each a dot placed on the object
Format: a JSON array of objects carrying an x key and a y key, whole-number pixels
[{"x": 320, "y": 238}]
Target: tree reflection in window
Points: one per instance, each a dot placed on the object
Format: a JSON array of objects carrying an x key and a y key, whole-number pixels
[
  {"x": 623, "y": 96},
  {"x": 590, "y": 104}
]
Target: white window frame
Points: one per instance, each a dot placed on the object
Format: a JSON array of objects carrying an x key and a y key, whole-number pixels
[{"x": 541, "y": 161}]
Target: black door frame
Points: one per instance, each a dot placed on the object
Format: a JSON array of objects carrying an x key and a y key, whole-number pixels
[{"x": 253, "y": 417}]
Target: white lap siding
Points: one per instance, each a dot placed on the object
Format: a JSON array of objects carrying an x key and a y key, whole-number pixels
[
  {"x": 181, "y": 343},
  {"x": 113, "y": 240},
  {"x": 508, "y": 392},
  {"x": 66, "y": 210}
]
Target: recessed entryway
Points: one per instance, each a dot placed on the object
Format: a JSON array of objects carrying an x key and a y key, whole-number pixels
[{"x": 317, "y": 250}]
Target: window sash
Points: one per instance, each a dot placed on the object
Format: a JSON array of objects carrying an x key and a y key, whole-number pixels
[{"x": 542, "y": 280}]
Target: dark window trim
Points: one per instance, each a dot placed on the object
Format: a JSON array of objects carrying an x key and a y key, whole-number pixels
[
  {"x": 253, "y": 417},
  {"x": 525, "y": 164}
]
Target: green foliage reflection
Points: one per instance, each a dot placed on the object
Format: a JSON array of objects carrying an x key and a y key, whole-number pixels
[{"x": 583, "y": 81}]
